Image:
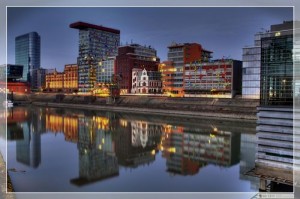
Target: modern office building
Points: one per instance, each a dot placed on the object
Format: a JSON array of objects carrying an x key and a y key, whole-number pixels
[
  {"x": 219, "y": 78},
  {"x": 146, "y": 82},
  {"x": 251, "y": 68},
  {"x": 179, "y": 55},
  {"x": 39, "y": 79},
  {"x": 105, "y": 71},
  {"x": 96, "y": 43},
  {"x": 134, "y": 56},
  {"x": 275, "y": 155},
  {"x": 28, "y": 54}
]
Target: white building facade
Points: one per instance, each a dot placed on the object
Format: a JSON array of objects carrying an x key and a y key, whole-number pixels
[{"x": 146, "y": 82}]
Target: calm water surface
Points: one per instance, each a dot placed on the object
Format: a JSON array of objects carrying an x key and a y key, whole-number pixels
[{"x": 65, "y": 150}]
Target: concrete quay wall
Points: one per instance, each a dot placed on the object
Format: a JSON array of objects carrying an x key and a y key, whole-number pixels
[{"x": 193, "y": 107}]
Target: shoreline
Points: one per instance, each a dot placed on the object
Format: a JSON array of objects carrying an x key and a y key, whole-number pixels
[
  {"x": 154, "y": 111},
  {"x": 7, "y": 189}
]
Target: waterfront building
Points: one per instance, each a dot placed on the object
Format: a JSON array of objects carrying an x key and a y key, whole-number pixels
[
  {"x": 70, "y": 78},
  {"x": 146, "y": 82},
  {"x": 28, "y": 54},
  {"x": 134, "y": 56},
  {"x": 66, "y": 81},
  {"x": 167, "y": 70},
  {"x": 251, "y": 69},
  {"x": 54, "y": 81},
  {"x": 18, "y": 87},
  {"x": 11, "y": 80},
  {"x": 219, "y": 78},
  {"x": 39, "y": 78},
  {"x": 274, "y": 155},
  {"x": 179, "y": 55},
  {"x": 96, "y": 43},
  {"x": 105, "y": 71}
]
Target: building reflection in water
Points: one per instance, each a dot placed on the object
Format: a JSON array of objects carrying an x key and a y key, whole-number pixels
[
  {"x": 247, "y": 158},
  {"x": 136, "y": 142},
  {"x": 107, "y": 140},
  {"x": 188, "y": 149},
  {"x": 97, "y": 159},
  {"x": 24, "y": 131}
]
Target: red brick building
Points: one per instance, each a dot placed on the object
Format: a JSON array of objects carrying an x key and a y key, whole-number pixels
[
  {"x": 17, "y": 87},
  {"x": 134, "y": 56}
]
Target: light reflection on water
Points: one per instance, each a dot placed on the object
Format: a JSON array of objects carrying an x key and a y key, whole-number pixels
[{"x": 74, "y": 150}]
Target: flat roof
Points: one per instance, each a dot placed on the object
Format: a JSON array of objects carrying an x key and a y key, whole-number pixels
[{"x": 82, "y": 25}]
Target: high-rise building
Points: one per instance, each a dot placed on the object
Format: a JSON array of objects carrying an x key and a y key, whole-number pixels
[
  {"x": 134, "y": 56},
  {"x": 275, "y": 155},
  {"x": 181, "y": 54},
  {"x": 28, "y": 54},
  {"x": 96, "y": 43}
]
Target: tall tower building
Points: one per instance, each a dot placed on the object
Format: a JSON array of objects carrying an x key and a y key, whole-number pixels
[
  {"x": 28, "y": 54},
  {"x": 96, "y": 43},
  {"x": 181, "y": 54}
]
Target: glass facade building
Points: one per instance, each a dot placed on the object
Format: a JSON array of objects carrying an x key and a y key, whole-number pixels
[
  {"x": 251, "y": 69},
  {"x": 28, "y": 54},
  {"x": 96, "y": 43},
  {"x": 105, "y": 71},
  {"x": 277, "y": 70}
]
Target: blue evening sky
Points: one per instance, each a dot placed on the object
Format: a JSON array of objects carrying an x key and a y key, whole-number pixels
[{"x": 223, "y": 30}]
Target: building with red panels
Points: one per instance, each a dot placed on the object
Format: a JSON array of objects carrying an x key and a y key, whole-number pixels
[
  {"x": 134, "y": 56},
  {"x": 220, "y": 78},
  {"x": 18, "y": 87},
  {"x": 181, "y": 54},
  {"x": 10, "y": 76}
]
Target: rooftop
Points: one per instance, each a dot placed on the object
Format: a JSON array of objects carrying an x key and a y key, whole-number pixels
[{"x": 82, "y": 25}]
